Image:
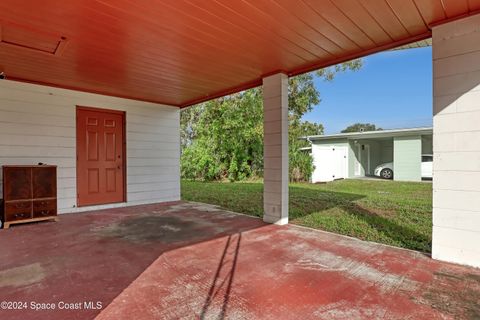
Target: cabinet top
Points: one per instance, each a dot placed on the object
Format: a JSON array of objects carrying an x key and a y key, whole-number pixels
[{"x": 30, "y": 166}]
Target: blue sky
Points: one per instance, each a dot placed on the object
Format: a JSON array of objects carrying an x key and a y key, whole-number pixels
[{"x": 392, "y": 90}]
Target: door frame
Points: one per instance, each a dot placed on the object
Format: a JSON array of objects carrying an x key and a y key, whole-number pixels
[
  {"x": 358, "y": 164},
  {"x": 124, "y": 151},
  {"x": 347, "y": 159},
  {"x": 367, "y": 146}
]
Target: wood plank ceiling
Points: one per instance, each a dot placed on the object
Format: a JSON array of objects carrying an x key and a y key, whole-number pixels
[{"x": 186, "y": 51}]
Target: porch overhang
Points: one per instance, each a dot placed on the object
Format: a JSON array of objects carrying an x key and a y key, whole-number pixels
[{"x": 185, "y": 52}]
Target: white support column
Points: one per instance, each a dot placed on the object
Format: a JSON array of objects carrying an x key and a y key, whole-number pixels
[
  {"x": 275, "y": 150},
  {"x": 456, "y": 141}
]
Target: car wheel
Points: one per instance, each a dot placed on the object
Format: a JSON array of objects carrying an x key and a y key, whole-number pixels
[{"x": 386, "y": 174}]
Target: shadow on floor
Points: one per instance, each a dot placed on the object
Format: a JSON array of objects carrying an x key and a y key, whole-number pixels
[
  {"x": 96, "y": 255},
  {"x": 226, "y": 270}
]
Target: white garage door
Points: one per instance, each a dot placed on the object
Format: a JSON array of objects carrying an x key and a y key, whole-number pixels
[{"x": 330, "y": 163}]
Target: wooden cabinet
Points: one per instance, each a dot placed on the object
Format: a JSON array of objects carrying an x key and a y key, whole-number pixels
[{"x": 29, "y": 194}]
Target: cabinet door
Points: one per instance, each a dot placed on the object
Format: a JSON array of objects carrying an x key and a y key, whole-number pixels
[
  {"x": 18, "y": 183},
  {"x": 44, "y": 182}
]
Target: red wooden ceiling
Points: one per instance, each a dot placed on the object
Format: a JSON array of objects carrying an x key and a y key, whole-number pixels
[{"x": 185, "y": 51}]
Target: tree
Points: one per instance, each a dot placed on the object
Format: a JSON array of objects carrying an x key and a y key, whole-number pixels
[
  {"x": 223, "y": 138},
  {"x": 359, "y": 127},
  {"x": 301, "y": 163}
]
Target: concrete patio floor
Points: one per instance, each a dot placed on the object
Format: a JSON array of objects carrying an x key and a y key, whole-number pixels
[{"x": 193, "y": 261}]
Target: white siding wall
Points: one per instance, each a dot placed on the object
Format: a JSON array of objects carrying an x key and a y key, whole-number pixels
[
  {"x": 386, "y": 151},
  {"x": 407, "y": 158},
  {"x": 456, "y": 141},
  {"x": 37, "y": 124}
]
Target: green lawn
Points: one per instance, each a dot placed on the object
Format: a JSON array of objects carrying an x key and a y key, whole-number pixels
[{"x": 390, "y": 212}]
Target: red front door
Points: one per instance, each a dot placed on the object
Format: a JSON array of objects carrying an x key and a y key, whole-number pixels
[{"x": 100, "y": 156}]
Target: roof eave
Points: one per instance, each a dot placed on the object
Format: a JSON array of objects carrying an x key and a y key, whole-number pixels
[{"x": 374, "y": 134}]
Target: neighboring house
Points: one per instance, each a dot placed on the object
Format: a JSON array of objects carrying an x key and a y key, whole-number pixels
[{"x": 357, "y": 154}]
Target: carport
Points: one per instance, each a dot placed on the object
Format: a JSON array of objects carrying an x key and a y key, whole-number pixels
[{"x": 149, "y": 60}]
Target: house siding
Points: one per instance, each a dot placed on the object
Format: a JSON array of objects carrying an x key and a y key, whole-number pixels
[
  {"x": 375, "y": 155},
  {"x": 407, "y": 158},
  {"x": 38, "y": 124},
  {"x": 386, "y": 149},
  {"x": 351, "y": 159},
  {"x": 456, "y": 141},
  {"x": 373, "y": 158},
  {"x": 427, "y": 145},
  {"x": 328, "y": 143}
]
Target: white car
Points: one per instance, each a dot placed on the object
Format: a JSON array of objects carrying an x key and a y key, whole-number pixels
[{"x": 385, "y": 170}]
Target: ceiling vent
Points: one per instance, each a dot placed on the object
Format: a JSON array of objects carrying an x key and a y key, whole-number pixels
[{"x": 31, "y": 39}]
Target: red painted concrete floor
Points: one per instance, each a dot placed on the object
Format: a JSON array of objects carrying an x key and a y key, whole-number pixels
[{"x": 193, "y": 261}]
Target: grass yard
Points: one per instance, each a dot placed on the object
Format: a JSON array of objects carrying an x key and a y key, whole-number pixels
[{"x": 390, "y": 212}]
